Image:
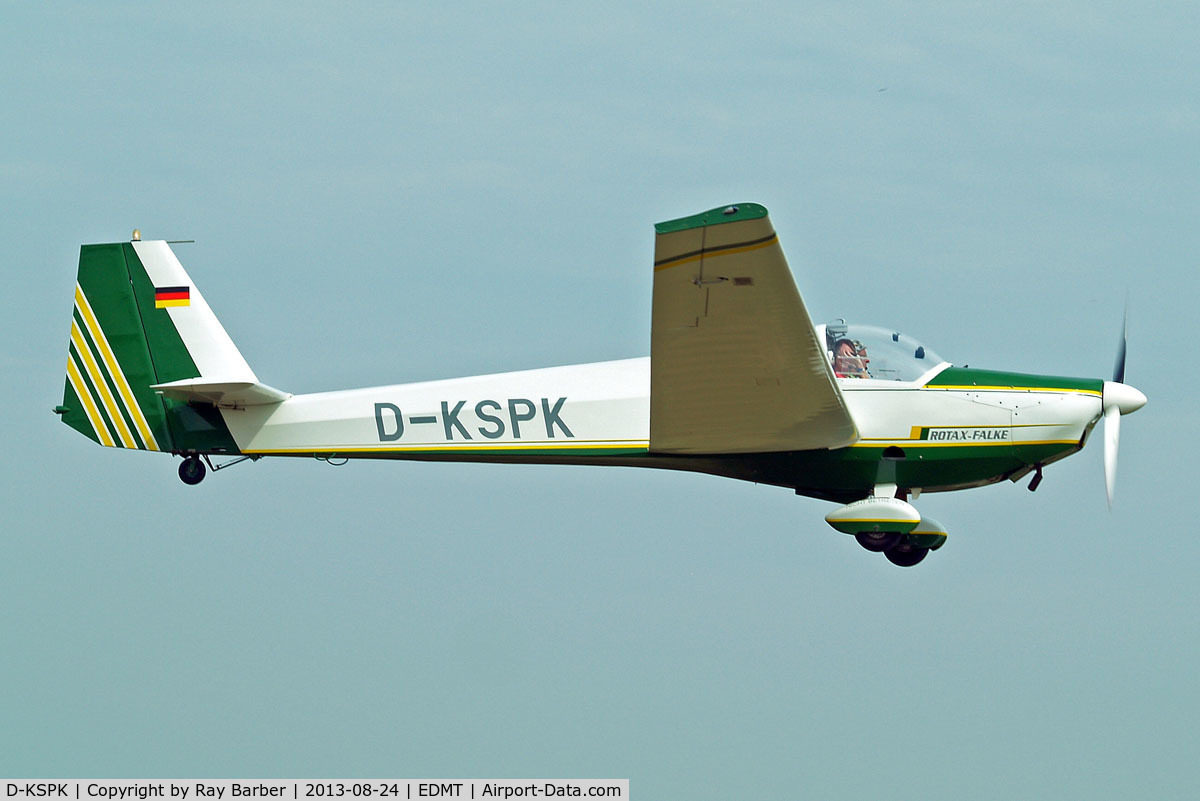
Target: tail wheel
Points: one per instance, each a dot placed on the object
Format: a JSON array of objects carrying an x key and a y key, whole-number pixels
[
  {"x": 906, "y": 555},
  {"x": 878, "y": 541},
  {"x": 191, "y": 470}
]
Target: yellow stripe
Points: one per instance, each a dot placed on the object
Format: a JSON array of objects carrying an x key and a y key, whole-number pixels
[
  {"x": 714, "y": 254},
  {"x": 114, "y": 368},
  {"x": 925, "y": 444},
  {"x": 162, "y": 304},
  {"x": 89, "y": 405},
  {"x": 106, "y": 396},
  {"x": 972, "y": 387},
  {"x": 446, "y": 448}
]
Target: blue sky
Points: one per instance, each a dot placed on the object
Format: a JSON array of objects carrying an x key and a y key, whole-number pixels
[{"x": 383, "y": 193}]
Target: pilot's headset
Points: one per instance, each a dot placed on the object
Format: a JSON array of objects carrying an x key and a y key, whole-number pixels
[{"x": 834, "y": 331}]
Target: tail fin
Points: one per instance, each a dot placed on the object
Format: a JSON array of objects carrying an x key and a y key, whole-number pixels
[{"x": 148, "y": 361}]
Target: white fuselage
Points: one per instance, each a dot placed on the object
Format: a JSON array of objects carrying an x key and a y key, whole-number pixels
[{"x": 605, "y": 407}]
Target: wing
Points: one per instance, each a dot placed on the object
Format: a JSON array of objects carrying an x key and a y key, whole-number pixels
[{"x": 736, "y": 365}]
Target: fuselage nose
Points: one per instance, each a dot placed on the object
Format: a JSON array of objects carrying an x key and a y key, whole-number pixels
[{"x": 1125, "y": 398}]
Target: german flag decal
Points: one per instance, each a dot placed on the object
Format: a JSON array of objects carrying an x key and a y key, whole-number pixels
[{"x": 165, "y": 296}]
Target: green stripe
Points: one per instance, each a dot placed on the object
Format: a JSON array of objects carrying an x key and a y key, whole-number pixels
[
  {"x": 75, "y": 416},
  {"x": 105, "y": 281},
  {"x": 718, "y": 216},
  {"x": 864, "y": 526},
  {"x": 169, "y": 356},
  {"x": 988, "y": 379},
  {"x": 96, "y": 399},
  {"x": 109, "y": 381},
  {"x": 852, "y": 472},
  {"x": 199, "y": 427},
  {"x": 194, "y": 427},
  {"x": 932, "y": 541}
]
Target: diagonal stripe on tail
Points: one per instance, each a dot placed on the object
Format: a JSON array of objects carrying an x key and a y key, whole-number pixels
[
  {"x": 114, "y": 371},
  {"x": 90, "y": 408}
]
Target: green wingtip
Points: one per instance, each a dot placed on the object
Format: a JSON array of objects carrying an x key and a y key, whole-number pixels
[{"x": 736, "y": 212}]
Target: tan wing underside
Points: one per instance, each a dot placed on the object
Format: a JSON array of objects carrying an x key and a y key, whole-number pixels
[{"x": 736, "y": 366}]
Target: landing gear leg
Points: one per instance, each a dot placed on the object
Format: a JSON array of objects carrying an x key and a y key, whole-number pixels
[
  {"x": 192, "y": 470},
  {"x": 1037, "y": 479}
]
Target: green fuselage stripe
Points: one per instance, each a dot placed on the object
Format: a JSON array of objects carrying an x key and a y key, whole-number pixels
[{"x": 970, "y": 378}]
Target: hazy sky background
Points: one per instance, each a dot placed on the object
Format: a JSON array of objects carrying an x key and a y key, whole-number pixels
[{"x": 386, "y": 192}]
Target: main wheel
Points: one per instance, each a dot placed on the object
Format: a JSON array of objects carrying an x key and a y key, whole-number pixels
[
  {"x": 906, "y": 555},
  {"x": 191, "y": 470},
  {"x": 877, "y": 541}
]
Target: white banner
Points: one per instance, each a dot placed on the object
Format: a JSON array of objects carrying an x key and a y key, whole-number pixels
[{"x": 296, "y": 789}]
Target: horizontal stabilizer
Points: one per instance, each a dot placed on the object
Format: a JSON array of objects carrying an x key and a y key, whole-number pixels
[{"x": 229, "y": 394}]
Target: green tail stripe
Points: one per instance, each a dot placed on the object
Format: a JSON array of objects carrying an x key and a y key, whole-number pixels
[
  {"x": 109, "y": 381},
  {"x": 95, "y": 396},
  {"x": 75, "y": 416},
  {"x": 90, "y": 329},
  {"x": 169, "y": 357},
  {"x": 194, "y": 427},
  {"x": 147, "y": 350},
  {"x": 104, "y": 281}
]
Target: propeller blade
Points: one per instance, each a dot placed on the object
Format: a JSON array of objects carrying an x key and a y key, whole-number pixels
[
  {"x": 1112, "y": 438},
  {"x": 1119, "y": 367}
]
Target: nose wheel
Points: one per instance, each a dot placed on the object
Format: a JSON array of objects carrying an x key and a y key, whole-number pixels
[{"x": 192, "y": 470}]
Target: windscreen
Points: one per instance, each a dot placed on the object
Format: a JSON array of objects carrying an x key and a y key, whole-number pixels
[{"x": 864, "y": 351}]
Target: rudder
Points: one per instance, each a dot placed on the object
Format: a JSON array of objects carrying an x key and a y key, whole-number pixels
[
  {"x": 109, "y": 371},
  {"x": 138, "y": 323}
]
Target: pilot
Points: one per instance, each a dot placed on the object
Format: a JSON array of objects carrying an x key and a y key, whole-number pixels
[{"x": 849, "y": 360}]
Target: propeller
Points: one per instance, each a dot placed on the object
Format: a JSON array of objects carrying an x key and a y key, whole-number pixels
[
  {"x": 1119, "y": 398},
  {"x": 1112, "y": 438},
  {"x": 1119, "y": 367}
]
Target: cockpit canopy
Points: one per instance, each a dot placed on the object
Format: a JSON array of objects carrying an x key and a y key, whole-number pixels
[{"x": 865, "y": 351}]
